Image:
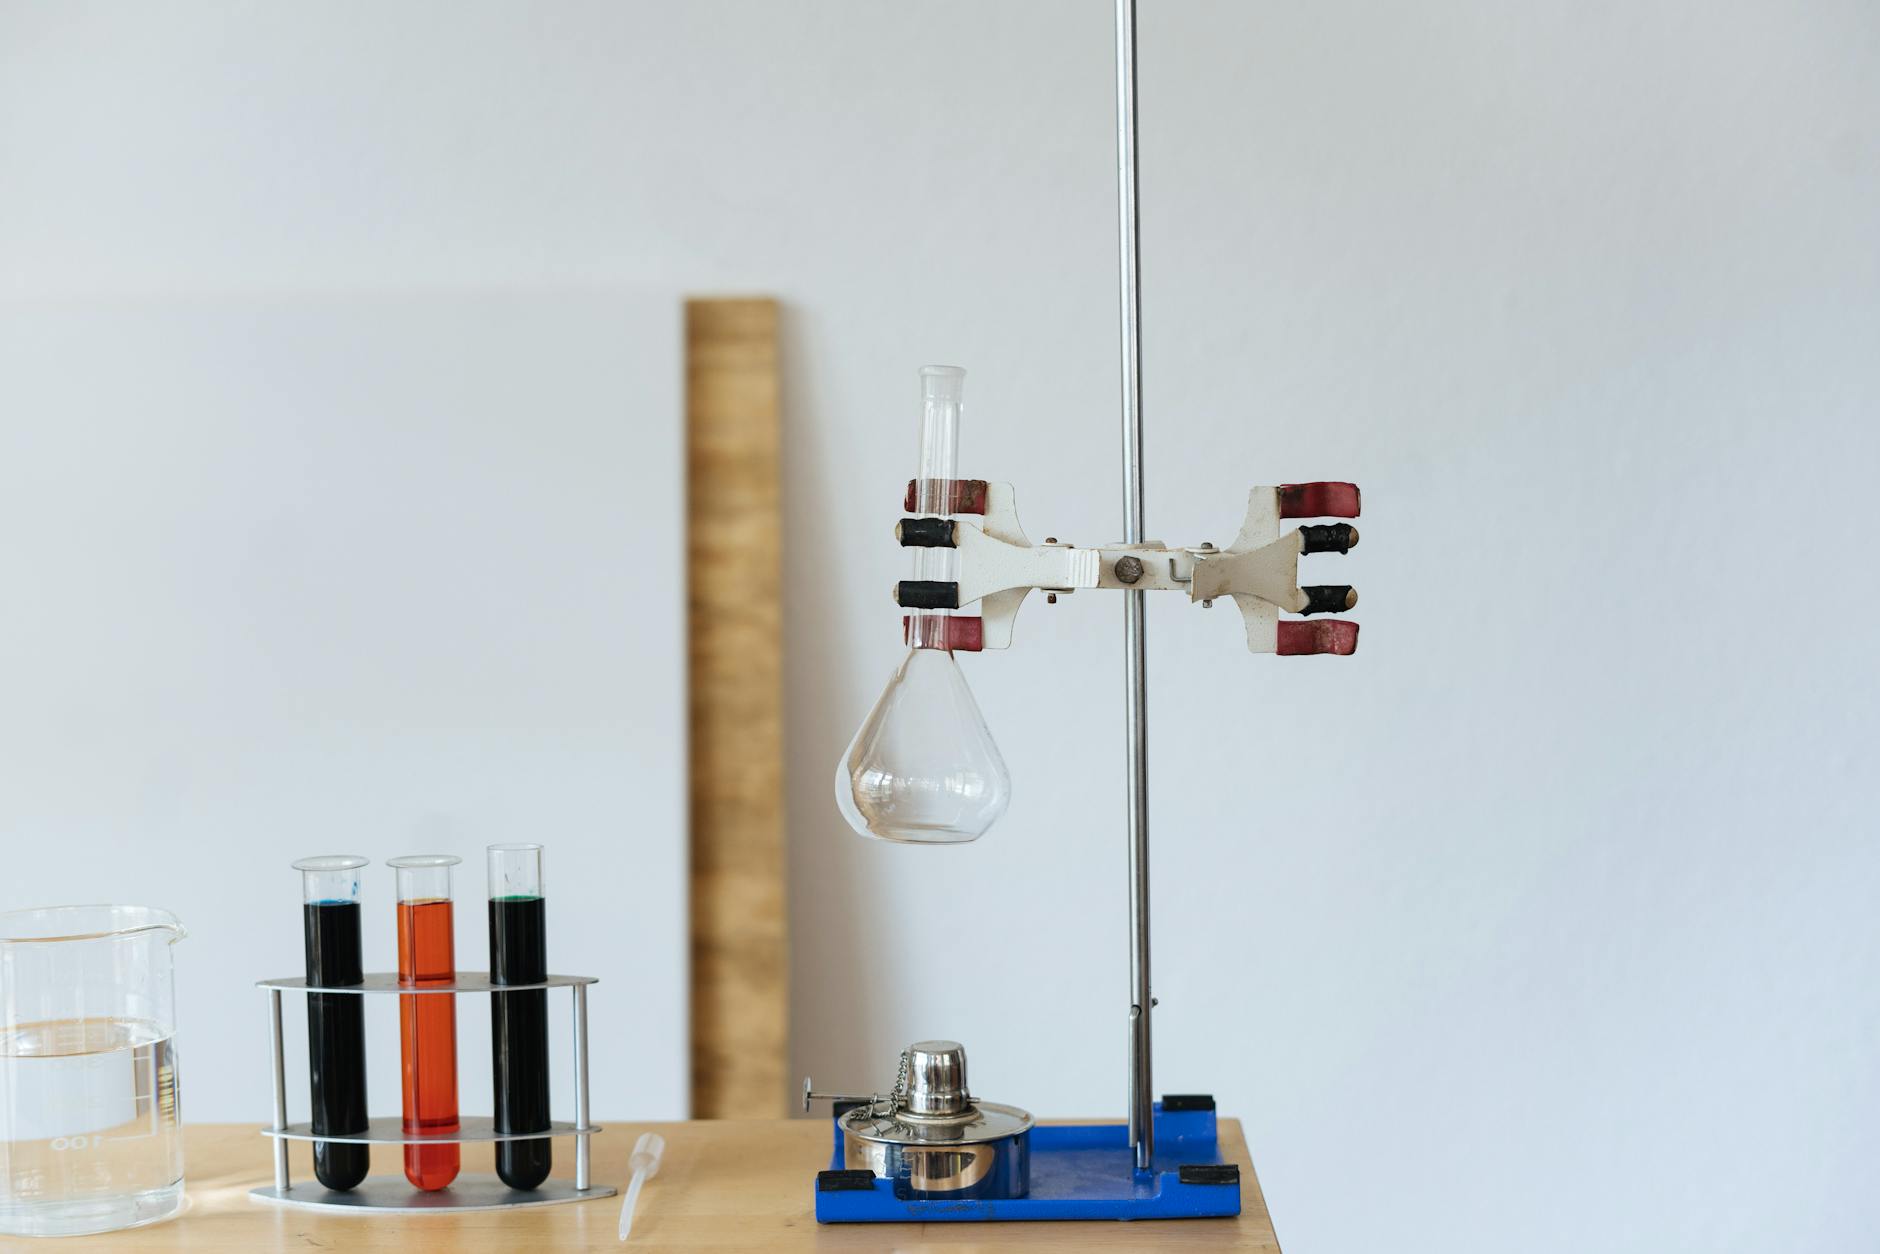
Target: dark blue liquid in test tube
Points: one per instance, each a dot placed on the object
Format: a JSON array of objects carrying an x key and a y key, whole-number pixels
[{"x": 336, "y": 1029}]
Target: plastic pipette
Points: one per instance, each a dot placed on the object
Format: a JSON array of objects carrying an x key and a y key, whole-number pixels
[{"x": 644, "y": 1163}]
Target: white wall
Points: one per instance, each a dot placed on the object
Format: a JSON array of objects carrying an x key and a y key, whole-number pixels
[
  {"x": 1544, "y": 922},
  {"x": 294, "y": 573}
]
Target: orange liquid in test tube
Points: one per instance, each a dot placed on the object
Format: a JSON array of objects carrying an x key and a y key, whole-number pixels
[{"x": 426, "y": 954}]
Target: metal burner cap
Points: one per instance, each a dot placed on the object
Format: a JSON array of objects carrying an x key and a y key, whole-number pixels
[{"x": 936, "y": 1078}]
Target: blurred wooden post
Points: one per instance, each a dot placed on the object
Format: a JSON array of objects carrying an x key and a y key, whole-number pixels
[{"x": 740, "y": 958}]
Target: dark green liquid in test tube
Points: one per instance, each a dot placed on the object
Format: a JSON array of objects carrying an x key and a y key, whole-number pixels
[{"x": 519, "y": 1021}]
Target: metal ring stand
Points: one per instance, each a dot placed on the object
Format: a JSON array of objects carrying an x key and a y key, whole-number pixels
[{"x": 379, "y": 1194}]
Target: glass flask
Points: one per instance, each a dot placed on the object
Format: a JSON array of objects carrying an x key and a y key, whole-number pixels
[
  {"x": 91, "y": 1137},
  {"x": 923, "y": 767}
]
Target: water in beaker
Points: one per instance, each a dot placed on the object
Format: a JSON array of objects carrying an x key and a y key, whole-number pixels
[{"x": 90, "y": 1130}]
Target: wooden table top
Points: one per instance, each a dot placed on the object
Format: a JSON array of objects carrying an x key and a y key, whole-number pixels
[{"x": 732, "y": 1184}]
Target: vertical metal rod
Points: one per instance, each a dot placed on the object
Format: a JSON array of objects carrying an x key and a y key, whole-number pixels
[
  {"x": 280, "y": 1089},
  {"x": 1135, "y": 677},
  {"x": 580, "y": 1087}
]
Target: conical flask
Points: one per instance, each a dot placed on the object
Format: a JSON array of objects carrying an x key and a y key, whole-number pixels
[{"x": 923, "y": 767}]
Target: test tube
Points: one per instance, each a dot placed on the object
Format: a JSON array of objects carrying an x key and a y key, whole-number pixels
[
  {"x": 519, "y": 1021},
  {"x": 428, "y": 1022},
  {"x": 336, "y": 1027},
  {"x": 936, "y": 493}
]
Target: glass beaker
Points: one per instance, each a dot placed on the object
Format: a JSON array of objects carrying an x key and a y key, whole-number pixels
[{"x": 91, "y": 1136}]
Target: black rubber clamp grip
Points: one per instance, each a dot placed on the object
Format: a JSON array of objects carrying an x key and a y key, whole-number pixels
[
  {"x": 928, "y": 594},
  {"x": 1323, "y": 598},
  {"x": 1327, "y": 538},
  {"x": 925, "y": 533}
]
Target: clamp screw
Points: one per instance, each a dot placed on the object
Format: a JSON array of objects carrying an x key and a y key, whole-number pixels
[
  {"x": 1208, "y": 603},
  {"x": 1129, "y": 569},
  {"x": 1050, "y": 598},
  {"x": 1050, "y": 539}
]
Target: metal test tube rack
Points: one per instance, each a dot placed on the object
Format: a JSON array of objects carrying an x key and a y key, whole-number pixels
[{"x": 468, "y": 1192}]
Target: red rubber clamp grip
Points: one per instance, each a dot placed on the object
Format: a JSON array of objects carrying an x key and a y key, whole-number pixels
[
  {"x": 1318, "y": 500},
  {"x": 962, "y": 633},
  {"x": 1326, "y": 635},
  {"x": 966, "y": 496}
]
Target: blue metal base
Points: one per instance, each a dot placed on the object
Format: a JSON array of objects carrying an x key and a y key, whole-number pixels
[{"x": 1077, "y": 1172}]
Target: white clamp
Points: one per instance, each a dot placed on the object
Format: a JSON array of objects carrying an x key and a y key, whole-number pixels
[{"x": 998, "y": 566}]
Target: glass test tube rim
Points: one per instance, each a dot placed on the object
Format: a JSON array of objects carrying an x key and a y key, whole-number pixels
[
  {"x": 417, "y": 871},
  {"x": 322, "y": 877},
  {"x": 331, "y": 862},
  {"x": 517, "y": 865}
]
